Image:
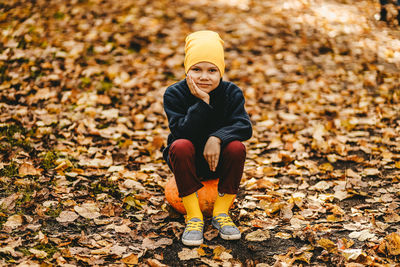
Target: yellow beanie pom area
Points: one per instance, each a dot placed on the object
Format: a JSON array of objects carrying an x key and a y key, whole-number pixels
[{"x": 204, "y": 46}]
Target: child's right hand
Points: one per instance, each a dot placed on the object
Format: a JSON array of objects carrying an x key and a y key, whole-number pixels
[{"x": 196, "y": 91}]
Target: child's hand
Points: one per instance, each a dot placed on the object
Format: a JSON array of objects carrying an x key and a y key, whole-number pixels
[
  {"x": 196, "y": 91},
  {"x": 211, "y": 152}
]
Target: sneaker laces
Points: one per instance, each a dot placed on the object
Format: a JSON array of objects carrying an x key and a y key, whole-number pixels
[
  {"x": 194, "y": 226},
  {"x": 225, "y": 221}
]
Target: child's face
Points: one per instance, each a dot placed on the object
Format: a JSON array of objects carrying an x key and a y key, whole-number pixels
[{"x": 205, "y": 75}]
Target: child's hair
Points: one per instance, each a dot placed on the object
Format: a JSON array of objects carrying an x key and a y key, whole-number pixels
[{"x": 204, "y": 46}]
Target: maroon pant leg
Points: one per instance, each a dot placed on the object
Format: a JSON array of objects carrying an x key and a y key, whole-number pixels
[
  {"x": 182, "y": 156},
  {"x": 230, "y": 167},
  {"x": 186, "y": 167}
]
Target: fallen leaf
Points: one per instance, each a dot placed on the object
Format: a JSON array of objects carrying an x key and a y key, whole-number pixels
[
  {"x": 221, "y": 253},
  {"x": 155, "y": 263},
  {"x": 392, "y": 218},
  {"x": 188, "y": 254},
  {"x": 390, "y": 244},
  {"x": 371, "y": 172},
  {"x": 9, "y": 202},
  {"x": 321, "y": 186},
  {"x": 88, "y": 210},
  {"x": 333, "y": 218},
  {"x": 362, "y": 235},
  {"x": 258, "y": 235},
  {"x": 305, "y": 256},
  {"x": 14, "y": 221},
  {"x": 67, "y": 216},
  {"x": 28, "y": 169},
  {"x": 63, "y": 164},
  {"x": 122, "y": 229},
  {"x": 283, "y": 235},
  {"x": 326, "y": 244},
  {"x": 151, "y": 244},
  {"x": 352, "y": 254},
  {"x": 326, "y": 167},
  {"x": 211, "y": 234},
  {"x": 40, "y": 254},
  {"x": 132, "y": 259},
  {"x": 397, "y": 164}
]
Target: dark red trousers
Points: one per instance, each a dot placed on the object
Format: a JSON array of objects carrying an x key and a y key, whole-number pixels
[{"x": 190, "y": 167}]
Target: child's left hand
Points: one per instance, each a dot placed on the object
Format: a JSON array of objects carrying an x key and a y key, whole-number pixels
[{"x": 211, "y": 152}]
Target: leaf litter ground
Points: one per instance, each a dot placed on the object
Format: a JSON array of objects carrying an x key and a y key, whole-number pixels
[{"x": 82, "y": 129}]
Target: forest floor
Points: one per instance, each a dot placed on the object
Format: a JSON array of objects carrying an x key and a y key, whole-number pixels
[{"x": 82, "y": 128}]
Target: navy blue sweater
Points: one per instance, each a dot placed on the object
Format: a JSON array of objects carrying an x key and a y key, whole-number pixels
[{"x": 191, "y": 118}]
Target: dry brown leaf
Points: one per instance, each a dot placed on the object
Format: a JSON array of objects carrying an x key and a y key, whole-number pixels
[
  {"x": 211, "y": 234},
  {"x": 88, "y": 210},
  {"x": 40, "y": 254},
  {"x": 155, "y": 263},
  {"x": 28, "y": 169},
  {"x": 258, "y": 235},
  {"x": 362, "y": 235},
  {"x": 188, "y": 254},
  {"x": 14, "y": 221},
  {"x": 371, "y": 172},
  {"x": 392, "y": 218},
  {"x": 67, "y": 216}
]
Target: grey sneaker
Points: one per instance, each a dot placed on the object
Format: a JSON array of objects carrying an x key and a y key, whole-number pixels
[
  {"x": 227, "y": 229},
  {"x": 193, "y": 234}
]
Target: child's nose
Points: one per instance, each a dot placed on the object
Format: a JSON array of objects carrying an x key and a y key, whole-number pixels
[{"x": 203, "y": 75}]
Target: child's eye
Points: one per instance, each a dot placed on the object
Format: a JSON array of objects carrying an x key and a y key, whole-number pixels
[
  {"x": 196, "y": 69},
  {"x": 213, "y": 70}
]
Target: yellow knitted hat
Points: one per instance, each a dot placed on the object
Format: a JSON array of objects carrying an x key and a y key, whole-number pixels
[{"x": 204, "y": 46}]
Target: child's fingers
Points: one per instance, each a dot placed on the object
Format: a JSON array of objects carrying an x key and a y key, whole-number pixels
[
  {"x": 210, "y": 162},
  {"x": 192, "y": 86},
  {"x": 213, "y": 161}
]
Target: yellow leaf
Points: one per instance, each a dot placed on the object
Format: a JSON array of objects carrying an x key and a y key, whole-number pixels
[
  {"x": 201, "y": 252},
  {"x": 333, "y": 218},
  {"x": 392, "y": 244},
  {"x": 218, "y": 250},
  {"x": 326, "y": 167},
  {"x": 305, "y": 256},
  {"x": 397, "y": 164},
  {"x": 63, "y": 164},
  {"x": 326, "y": 244},
  {"x": 131, "y": 259},
  {"x": 269, "y": 171},
  {"x": 274, "y": 207}
]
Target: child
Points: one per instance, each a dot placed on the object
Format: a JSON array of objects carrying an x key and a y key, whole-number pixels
[{"x": 207, "y": 119}]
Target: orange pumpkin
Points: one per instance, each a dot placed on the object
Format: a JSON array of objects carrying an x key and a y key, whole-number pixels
[{"x": 207, "y": 195}]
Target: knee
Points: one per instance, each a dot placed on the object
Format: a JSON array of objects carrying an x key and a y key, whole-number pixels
[
  {"x": 182, "y": 148},
  {"x": 236, "y": 149}
]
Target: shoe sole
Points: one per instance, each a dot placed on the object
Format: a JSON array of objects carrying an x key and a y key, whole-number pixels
[
  {"x": 230, "y": 237},
  {"x": 192, "y": 242}
]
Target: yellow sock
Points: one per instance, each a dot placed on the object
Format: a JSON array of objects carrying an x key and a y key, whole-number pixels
[
  {"x": 192, "y": 206},
  {"x": 223, "y": 203}
]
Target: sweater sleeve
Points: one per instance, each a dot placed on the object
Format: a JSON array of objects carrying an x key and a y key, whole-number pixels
[
  {"x": 183, "y": 122},
  {"x": 238, "y": 125}
]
